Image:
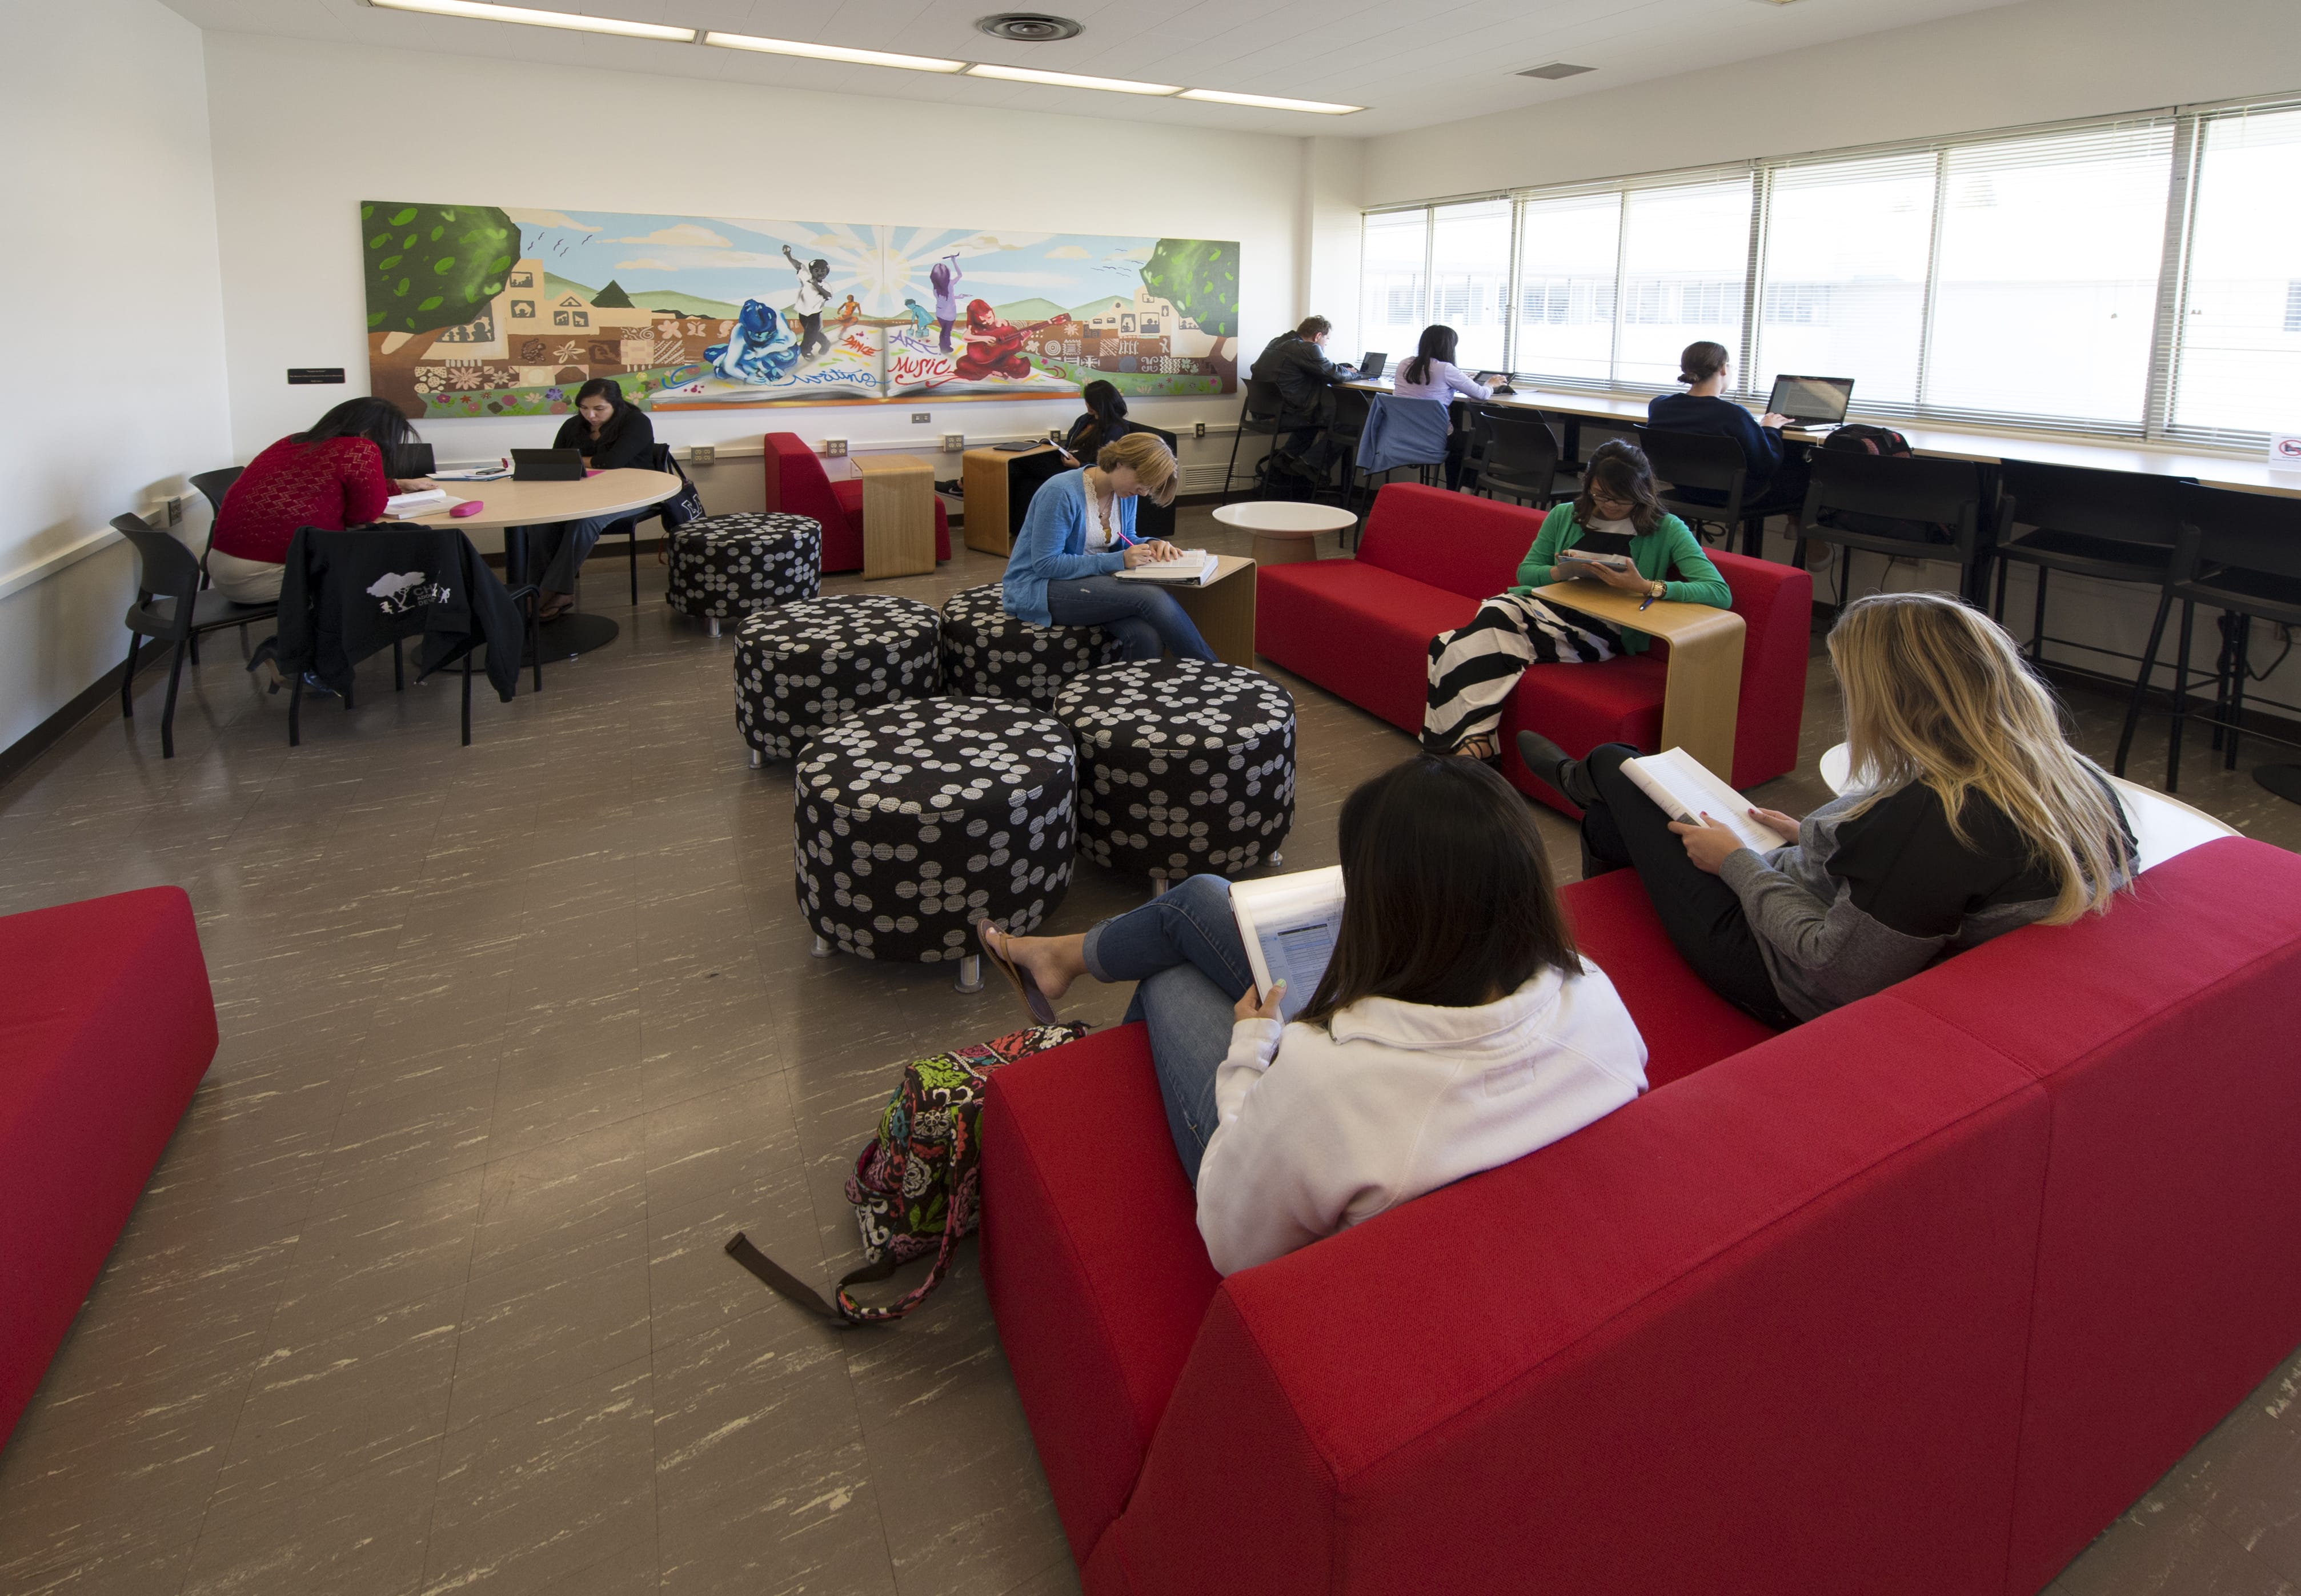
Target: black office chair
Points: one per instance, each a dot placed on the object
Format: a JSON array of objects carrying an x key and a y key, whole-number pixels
[
  {"x": 659, "y": 458},
  {"x": 1258, "y": 417},
  {"x": 2240, "y": 553},
  {"x": 1706, "y": 461},
  {"x": 1155, "y": 520},
  {"x": 212, "y": 485},
  {"x": 1353, "y": 406},
  {"x": 2116, "y": 525},
  {"x": 1514, "y": 454},
  {"x": 170, "y": 607},
  {"x": 1896, "y": 505}
]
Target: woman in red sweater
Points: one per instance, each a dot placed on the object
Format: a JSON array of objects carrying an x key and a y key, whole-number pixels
[{"x": 331, "y": 476}]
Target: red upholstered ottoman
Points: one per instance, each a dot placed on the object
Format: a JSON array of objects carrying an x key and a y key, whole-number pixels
[
  {"x": 798, "y": 485},
  {"x": 107, "y": 1025}
]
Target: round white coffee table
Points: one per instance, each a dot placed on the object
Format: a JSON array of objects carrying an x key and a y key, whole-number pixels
[{"x": 1284, "y": 531}]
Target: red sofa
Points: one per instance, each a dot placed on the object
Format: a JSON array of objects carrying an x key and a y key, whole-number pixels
[
  {"x": 798, "y": 485},
  {"x": 106, "y": 1024},
  {"x": 1915, "y": 1298},
  {"x": 1361, "y": 629}
]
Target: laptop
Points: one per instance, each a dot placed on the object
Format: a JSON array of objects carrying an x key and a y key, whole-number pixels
[
  {"x": 1813, "y": 401},
  {"x": 408, "y": 461},
  {"x": 1370, "y": 368},
  {"x": 547, "y": 465}
]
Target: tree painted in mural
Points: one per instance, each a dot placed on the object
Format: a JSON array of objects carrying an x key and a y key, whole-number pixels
[
  {"x": 428, "y": 268},
  {"x": 1200, "y": 277}
]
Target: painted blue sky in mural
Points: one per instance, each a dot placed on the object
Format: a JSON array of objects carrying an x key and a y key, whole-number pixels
[{"x": 730, "y": 260}]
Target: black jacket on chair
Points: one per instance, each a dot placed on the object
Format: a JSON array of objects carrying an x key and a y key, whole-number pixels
[{"x": 347, "y": 595}]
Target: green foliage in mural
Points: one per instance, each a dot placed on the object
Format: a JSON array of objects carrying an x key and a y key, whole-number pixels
[
  {"x": 432, "y": 266},
  {"x": 1200, "y": 276}
]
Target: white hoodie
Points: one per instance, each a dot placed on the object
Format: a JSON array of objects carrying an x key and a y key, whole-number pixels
[{"x": 1320, "y": 1127}]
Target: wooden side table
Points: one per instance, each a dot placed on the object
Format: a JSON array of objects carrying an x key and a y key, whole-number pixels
[
  {"x": 986, "y": 477},
  {"x": 1703, "y": 693},
  {"x": 1224, "y": 610},
  {"x": 897, "y": 514}
]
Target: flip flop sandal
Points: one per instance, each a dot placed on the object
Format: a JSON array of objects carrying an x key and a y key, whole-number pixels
[
  {"x": 1034, "y": 1001},
  {"x": 1468, "y": 748}
]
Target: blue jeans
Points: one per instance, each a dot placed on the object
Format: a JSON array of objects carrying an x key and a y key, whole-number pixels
[
  {"x": 1184, "y": 950},
  {"x": 1143, "y": 619},
  {"x": 560, "y": 548}
]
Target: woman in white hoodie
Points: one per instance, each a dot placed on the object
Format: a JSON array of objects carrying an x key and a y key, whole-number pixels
[{"x": 1456, "y": 1028}]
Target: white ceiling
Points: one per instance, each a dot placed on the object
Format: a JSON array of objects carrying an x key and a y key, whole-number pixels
[{"x": 1412, "y": 63}]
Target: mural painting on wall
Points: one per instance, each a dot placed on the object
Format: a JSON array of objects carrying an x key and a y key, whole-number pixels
[{"x": 480, "y": 310}]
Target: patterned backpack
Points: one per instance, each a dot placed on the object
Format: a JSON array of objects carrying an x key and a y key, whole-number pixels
[{"x": 917, "y": 1185}]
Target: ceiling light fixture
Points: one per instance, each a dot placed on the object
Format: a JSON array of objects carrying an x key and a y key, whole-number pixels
[
  {"x": 785, "y": 47},
  {"x": 1556, "y": 69},
  {"x": 1270, "y": 102},
  {"x": 1027, "y": 27},
  {"x": 1024, "y": 74},
  {"x": 480, "y": 10}
]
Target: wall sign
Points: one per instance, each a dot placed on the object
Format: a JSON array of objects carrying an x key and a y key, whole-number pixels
[
  {"x": 297, "y": 376},
  {"x": 477, "y": 310}
]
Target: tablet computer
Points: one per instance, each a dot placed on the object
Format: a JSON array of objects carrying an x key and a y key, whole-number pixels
[{"x": 547, "y": 465}]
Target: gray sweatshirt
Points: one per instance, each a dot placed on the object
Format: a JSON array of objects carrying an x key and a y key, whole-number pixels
[{"x": 1859, "y": 903}]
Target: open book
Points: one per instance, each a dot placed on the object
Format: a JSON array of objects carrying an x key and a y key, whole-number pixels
[
  {"x": 1195, "y": 569},
  {"x": 1289, "y": 923},
  {"x": 421, "y": 502},
  {"x": 1682, "y": 786}
]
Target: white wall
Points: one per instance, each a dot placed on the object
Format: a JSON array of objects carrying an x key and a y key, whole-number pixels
[
  {"x": 287, "y": 212},
  {"x": 2041, "y": 60},
  {"x": 117, "y": 335}
]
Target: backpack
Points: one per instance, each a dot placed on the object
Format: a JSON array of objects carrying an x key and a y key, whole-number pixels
[
  {"x": 916, "y": 1186},
  {"x": 1862, "y": 440}
]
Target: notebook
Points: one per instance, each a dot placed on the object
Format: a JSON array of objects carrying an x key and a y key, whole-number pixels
[
  {"x": 1686, "y": 790},
  {"x": 1195, "y": 569}
]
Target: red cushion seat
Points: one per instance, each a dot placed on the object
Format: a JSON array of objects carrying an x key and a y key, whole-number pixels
[
  {"x": 798, "y": 485},
  {"x": 107, "y": 1025}
]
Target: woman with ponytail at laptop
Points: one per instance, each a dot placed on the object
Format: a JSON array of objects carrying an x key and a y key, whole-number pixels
[{"x": 1775, "y": 484}]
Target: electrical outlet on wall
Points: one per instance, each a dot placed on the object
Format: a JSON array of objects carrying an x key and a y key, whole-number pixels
[
  {"x": 702, "y": 454},
  {"x": 953, "y": 442},
  {"x": 1198, "y": 429},
  {"x": 917, "y": 416},
  {"x": 175, "y": 512},
  {"x": 835, "y": 446}
]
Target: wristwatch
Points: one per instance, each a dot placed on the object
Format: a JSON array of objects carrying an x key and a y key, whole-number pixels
[{"x": 1656, "y": 589}]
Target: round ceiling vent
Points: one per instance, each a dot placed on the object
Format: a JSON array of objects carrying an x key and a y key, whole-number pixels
[{"x": 1027, "y": 27}]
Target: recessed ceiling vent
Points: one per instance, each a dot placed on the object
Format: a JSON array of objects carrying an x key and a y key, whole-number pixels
[
  {"x": 1027, "y": 27},
  {"x": 1556, "y": 69}
]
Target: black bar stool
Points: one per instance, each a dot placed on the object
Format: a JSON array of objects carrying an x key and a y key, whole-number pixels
[
  {"x": 2240, "y": 553},
  {"x": 1514, "y": 454},
  {"x": 1705, "y": 461},
  {"x": 1258, "y": 417},
  {"x": 1887, "y": 504},
  {"x": 2115, "y": 525}
]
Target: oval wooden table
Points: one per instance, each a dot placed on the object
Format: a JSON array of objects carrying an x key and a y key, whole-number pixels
[
  {"x": 1284, "y": 531},
  {"x": 506, "y": 503}
]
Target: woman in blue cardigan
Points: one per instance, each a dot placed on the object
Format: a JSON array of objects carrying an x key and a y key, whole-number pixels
[{"x": 1079, "y": 530}]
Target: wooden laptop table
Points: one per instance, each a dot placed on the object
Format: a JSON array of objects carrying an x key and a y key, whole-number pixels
[
  {"x": 1224, "y": 609},
  {"x": 898, "y": 505},
  {"x": 1702, "y": 694}
]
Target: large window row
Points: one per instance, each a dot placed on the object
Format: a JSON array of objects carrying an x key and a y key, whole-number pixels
[{"x": 2139, "y": 276}]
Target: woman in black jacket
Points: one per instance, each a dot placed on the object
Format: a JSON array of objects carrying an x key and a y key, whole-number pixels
[
  {"x": 613, "y": 434},
  {"x": 1105, "y": 421}
]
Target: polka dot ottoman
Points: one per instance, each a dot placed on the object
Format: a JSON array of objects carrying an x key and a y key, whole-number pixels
[
  {"x": 806, "y": 666},
  {"x": 726, "y": 566},
  {"x": 913, "y": 821},
  {"x": 989, "y": 654},
  {"x": 1183, "y": 766}
]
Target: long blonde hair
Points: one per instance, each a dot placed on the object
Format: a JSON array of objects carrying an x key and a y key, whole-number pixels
[
  {"x": 1935, "y": 692},
  {"x": 1152, "y": 463}
]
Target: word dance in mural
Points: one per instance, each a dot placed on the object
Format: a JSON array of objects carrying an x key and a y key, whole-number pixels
[{"x": 478, "y": 311}]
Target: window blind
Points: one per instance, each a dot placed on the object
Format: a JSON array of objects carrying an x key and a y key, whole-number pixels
[{"x": 2240, "y": 319}]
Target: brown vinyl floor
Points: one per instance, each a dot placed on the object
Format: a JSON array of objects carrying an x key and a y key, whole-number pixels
[{"x": 427, "y": 1294}]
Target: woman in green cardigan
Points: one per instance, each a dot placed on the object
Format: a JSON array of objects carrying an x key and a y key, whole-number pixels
[{"x": 1474, "y": 669}]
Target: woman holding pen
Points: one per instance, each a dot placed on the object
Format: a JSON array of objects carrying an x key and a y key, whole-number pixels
[{"x": 1079, "y": 531}]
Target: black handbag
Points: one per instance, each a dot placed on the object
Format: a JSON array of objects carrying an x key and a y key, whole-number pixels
[{"x": 684, "y": 505}]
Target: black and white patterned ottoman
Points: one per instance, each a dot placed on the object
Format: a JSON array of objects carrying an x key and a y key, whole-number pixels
[
  {"x": 911, "y": 822},
  {"x": 806, "y": 666},
  {"x": 989, "y": 654},
  {"x": 1183, "y": 766},
  {"x": 726, "y": 566}
]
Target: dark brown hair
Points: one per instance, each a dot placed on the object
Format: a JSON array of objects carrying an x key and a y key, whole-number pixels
[
  {"x": 1447, "y": 896},
  {"x": 1312, "y": 326},
  {"x": 1623, "y": 470},
  {"x": 1701, "y": 362},
  {"x": 1438, "y": 343}
]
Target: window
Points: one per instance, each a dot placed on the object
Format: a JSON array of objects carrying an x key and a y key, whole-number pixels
[
  {"x": 1847, "y": 247},
  {"x": 1470, "y": 280},
  {"x": 2045, "y": 275},
  {"x": 1566, "y": 258},
  {"x": 2240, "y": 320},
  {"x": 1396, "y": 254},
  {"x": 2021, "y": 277}
]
